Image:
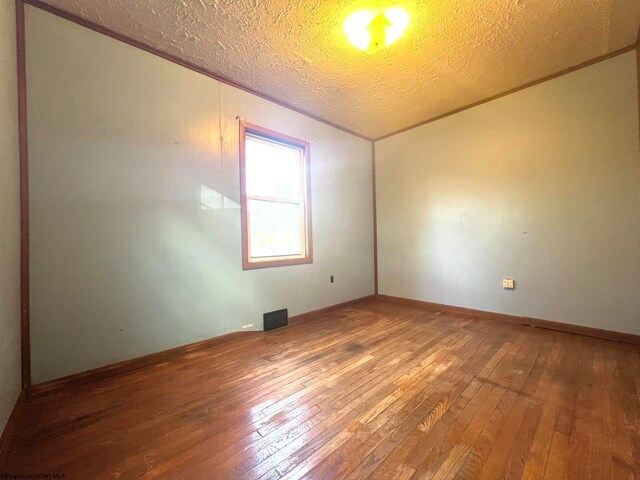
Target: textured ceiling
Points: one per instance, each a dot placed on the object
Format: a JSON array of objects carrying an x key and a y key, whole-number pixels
[{"x": 454, "y": 53}]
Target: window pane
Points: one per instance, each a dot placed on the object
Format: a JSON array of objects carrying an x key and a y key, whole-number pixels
[
  {"x": 272, "y": 170},
  {"x": 275, "y": 229}
]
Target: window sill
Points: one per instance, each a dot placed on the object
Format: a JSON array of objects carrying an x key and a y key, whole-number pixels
[{"x": 276, "y": 263}]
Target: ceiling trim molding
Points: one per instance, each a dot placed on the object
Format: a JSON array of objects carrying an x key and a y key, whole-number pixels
[
  {"x": 203, "y": 71},
  {"x": 184, "y": 63},
  {"x": 561, "y": 73}
]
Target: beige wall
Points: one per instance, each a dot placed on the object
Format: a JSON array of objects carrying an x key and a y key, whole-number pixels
[
  {"x": 9, "y": 216},
  {"x": 125, "y": 258},
  {"x": 542, "y": 185}
]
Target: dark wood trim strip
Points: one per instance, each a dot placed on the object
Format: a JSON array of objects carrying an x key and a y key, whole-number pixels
[
  {"x": 174, "y": 59},
  {"x": 566, "y": 71},
  {"x": 125, "y": 366},
  {"x": 184, "y": 63},
  {"x": 638, "y": 68},
  {"x": 172, "y": 354},
  {"x": 529, "y": 321},
  {"x": 10, "y": 427},
  {"x": 375, "y": 218},
  {"x": 24, "y": 197},
  {"x": 303, "y": 317}
]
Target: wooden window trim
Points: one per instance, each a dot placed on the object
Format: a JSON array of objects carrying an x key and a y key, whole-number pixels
[{"x": 305, "y": 147}]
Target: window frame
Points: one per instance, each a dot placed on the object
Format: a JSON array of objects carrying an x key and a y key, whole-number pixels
[{"x": 248, "y": 129}]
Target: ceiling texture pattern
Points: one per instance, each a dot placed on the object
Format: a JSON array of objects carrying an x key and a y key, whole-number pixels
[{"x": 453, "y": 54}]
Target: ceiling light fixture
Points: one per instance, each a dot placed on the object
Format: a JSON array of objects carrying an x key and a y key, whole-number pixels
[{"x": 372, "y": 29}]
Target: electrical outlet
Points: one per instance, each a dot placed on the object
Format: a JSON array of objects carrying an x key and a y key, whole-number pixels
[
  {"x": 508, "y": 283},
  {"x": 244, "y": 327}
]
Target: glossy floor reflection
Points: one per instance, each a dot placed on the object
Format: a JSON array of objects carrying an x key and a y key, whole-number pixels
[{"x": 375, "y": 391}]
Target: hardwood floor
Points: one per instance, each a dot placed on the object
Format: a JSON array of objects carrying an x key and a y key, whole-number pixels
[{"x": 374, "y": 391}]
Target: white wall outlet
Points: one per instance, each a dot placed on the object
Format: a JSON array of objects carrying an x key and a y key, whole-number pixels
[
  {"x": 507, "y": 283},
  {"x": 245, "y": 327}
]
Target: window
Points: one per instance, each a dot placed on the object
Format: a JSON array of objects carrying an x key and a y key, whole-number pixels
[{"x": 276, "y": 200}]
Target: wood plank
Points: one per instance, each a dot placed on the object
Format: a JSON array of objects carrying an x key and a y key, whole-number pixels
[
  {"x": 374, "y": 390},
  {"x": 530, "y": 321}
]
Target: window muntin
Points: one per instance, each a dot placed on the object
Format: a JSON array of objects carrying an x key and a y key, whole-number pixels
[{"x": 276, "y": 207}]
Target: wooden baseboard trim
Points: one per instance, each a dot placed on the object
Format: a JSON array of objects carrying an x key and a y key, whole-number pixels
[
  {"x": 10, "y": 427},
  {"x": 125, "y": 366},
  {"x": 165, "y": 356},
  {"x": 529, "y": 321},
  {"x": 323, "y": 311}
]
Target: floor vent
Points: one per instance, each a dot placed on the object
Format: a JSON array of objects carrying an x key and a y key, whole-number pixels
[{"x": 277, "y": 319}]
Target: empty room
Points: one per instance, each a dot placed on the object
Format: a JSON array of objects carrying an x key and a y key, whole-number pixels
[{"x": 342, "y": 239}]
